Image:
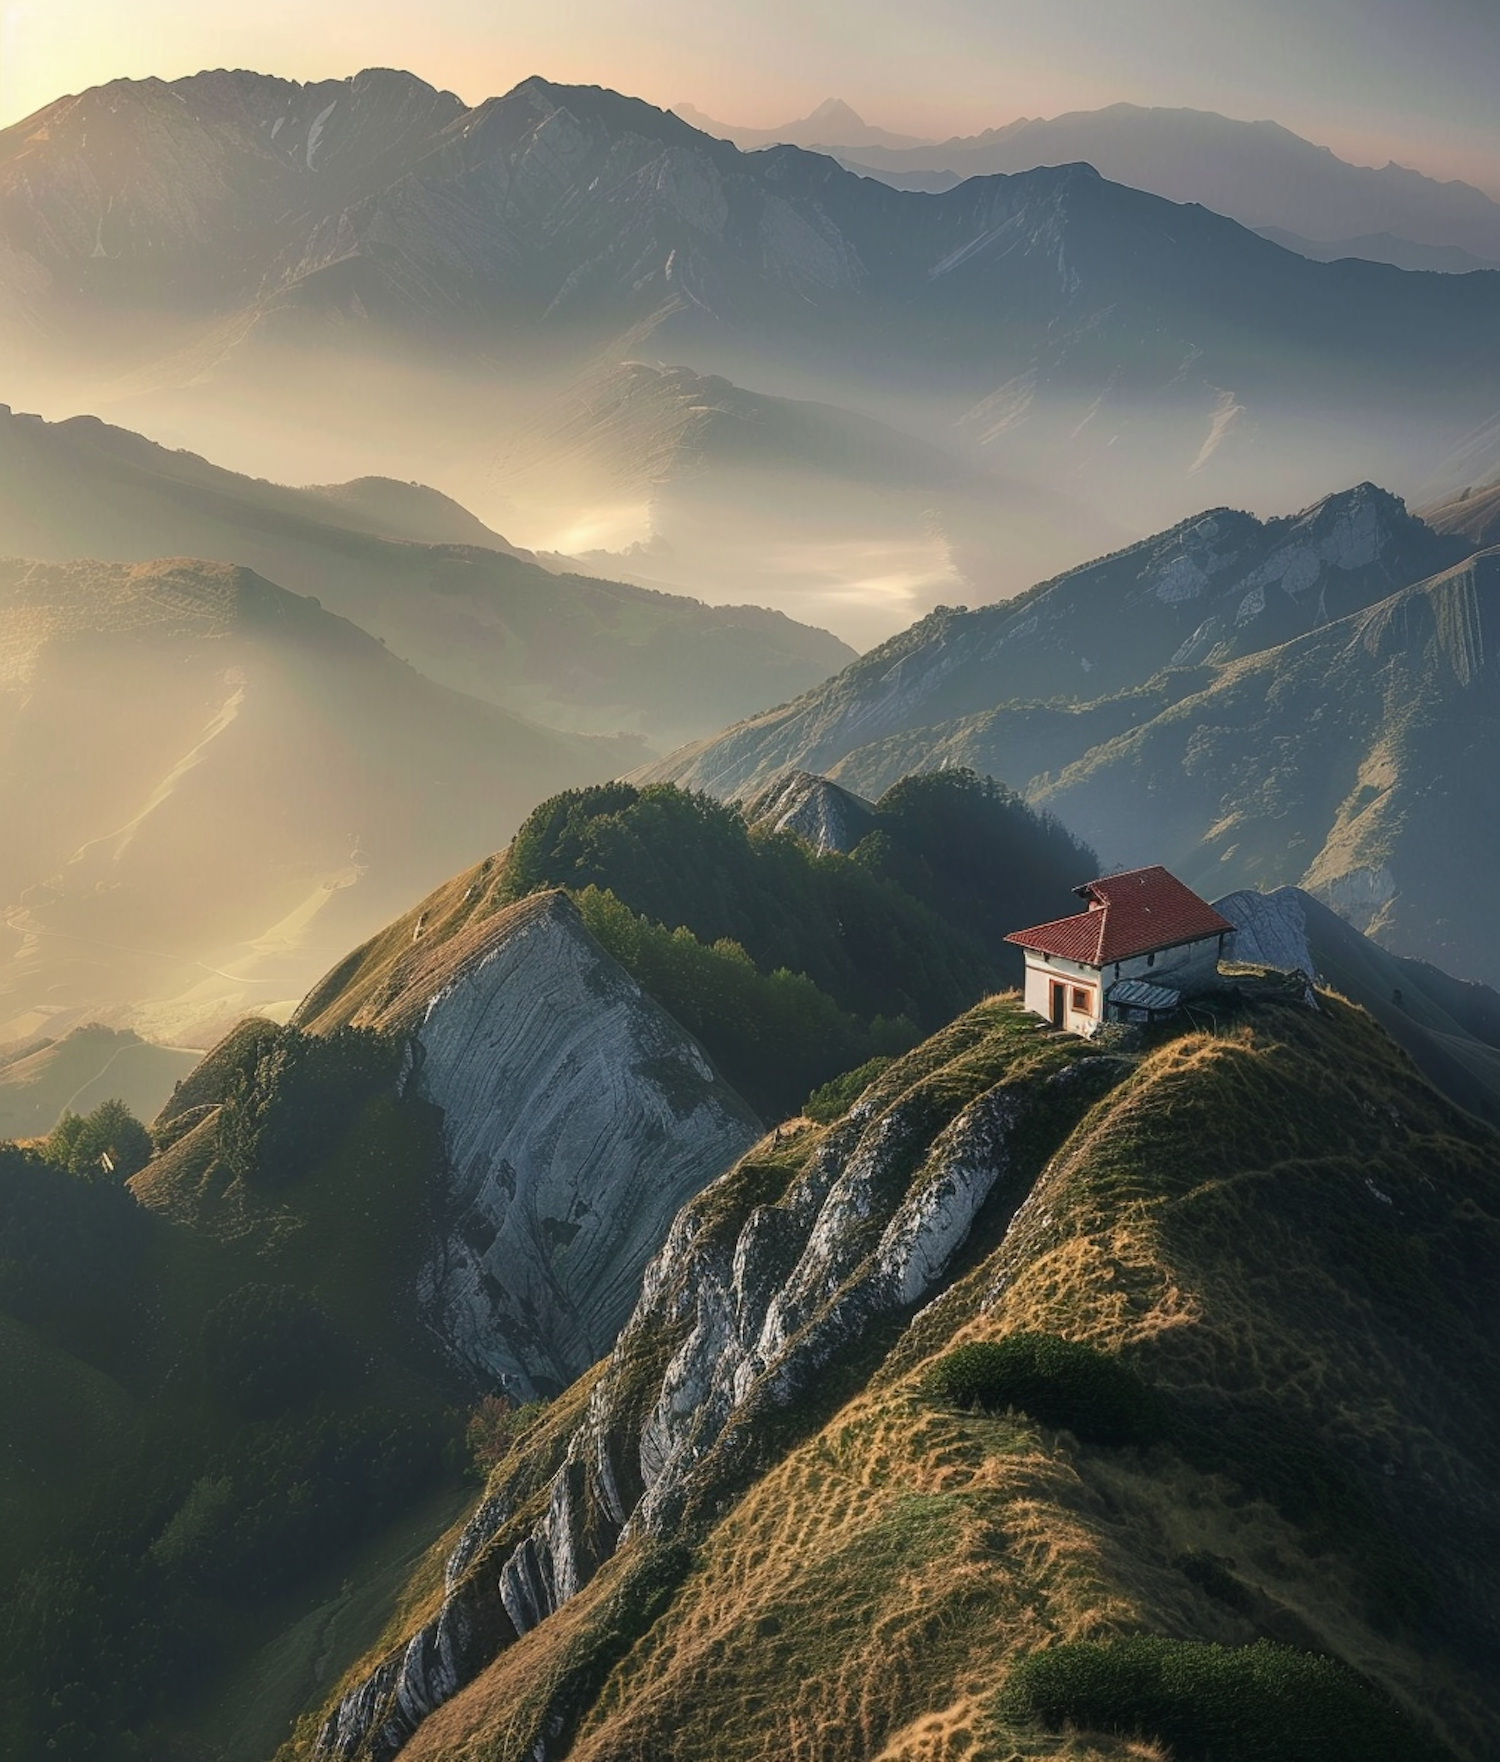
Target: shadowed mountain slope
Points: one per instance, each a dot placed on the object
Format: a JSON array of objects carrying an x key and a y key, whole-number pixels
[
  {"x": 42, "y": 1080},
  {"x": 774, "y": 1527},
  {"x": 419, "y": 572},
  {"x": 211, "y": 786}
]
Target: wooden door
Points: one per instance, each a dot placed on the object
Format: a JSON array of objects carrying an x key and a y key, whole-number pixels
[{"x": 1059, "y": 1005}]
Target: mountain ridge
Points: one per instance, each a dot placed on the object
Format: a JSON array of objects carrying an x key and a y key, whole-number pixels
[
  {"x": 1035, "y": 293},
  {"x": 1195, "y": 155},
  {"x": 415, "y": 570},
  {"x": 1330, "y": 758},
  {"x": 778, "y": 1379},
  {"x": 211, "y": 779}
]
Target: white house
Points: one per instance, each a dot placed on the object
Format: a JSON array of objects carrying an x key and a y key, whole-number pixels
[{"x": 1144, "y": 944}]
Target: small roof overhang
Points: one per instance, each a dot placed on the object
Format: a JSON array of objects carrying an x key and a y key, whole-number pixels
[{"x": 1137, "y": 994}]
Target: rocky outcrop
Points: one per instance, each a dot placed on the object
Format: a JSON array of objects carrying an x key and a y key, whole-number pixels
[
  {"x": 577, "y": 1118},
  {"x": 1270, "y": 929},
  {"x": 772, "y": 1274},
  {"x": 824, "y": 815}
]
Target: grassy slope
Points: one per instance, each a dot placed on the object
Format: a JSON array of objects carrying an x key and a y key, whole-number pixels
[
  {"x": 79, "y": 1071},
  {"x": 118, "y": 1443},
  {"x": 1298, "y": 1241},
  {"x": 417, "y": 571}
]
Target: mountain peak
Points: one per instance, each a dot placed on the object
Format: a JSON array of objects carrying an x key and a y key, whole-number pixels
[{"x": 836, "y": 112}]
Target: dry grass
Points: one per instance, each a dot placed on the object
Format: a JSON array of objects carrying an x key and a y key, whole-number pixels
[{"x": 1267, "y": 1221}]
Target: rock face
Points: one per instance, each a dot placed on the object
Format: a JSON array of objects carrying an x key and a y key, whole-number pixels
[
  {"x": 1048, "y": 307},
  {"x": 763, "y": 1281},
  {"x": 825, "y": 816},
  {"x": 577, "y": 1118},
  {"x": 1270, "y": 929},
  {"x": 1218, "y": 586}
]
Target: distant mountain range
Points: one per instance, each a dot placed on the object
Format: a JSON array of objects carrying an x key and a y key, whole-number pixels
[
  {"x": 832, "y": 121},
  {"x": 214, "y": 237},
  {"x": 1258, "y": 173},
  {"x": 1309, "y": 701},
  {"x": 819, "y": 511},
  {"x": 419, "y": 572},
  {"x": 210, "y": 786},
  {"x": 1382, "y": 247}
]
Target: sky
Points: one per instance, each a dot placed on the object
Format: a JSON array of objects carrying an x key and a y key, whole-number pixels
[{"x": 1412, "y": 80}]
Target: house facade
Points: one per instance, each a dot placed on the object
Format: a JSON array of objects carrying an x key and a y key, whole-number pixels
[{"x": 1143, "y": 944}]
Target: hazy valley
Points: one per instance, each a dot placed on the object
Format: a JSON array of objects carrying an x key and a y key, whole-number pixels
[{"x": 445, "y": 287}]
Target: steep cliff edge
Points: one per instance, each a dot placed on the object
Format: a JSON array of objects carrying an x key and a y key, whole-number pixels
[
  {"x": 577, "y": 1118},
  {"x": 768, "y": 1534}
]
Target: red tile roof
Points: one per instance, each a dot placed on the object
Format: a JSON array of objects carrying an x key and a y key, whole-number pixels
[{"x": 1130, "y": 914}]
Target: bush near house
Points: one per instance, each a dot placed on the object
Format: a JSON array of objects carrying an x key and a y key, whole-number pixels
[
  {"x": 1058, "y": 1382},
  {"x": 1208, "y": 1703}
]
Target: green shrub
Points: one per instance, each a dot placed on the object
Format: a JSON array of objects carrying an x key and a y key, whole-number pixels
[
  {"x": 792, "y": 965},
  {"x": 835, "y": 1098},
  {"x": 286, "y": 1108},
  {"x": 70, "y": 1251},
  {"x": 493, "y": 1427},
  {"x": 110, "y": 1144},
  {"x": 293, "y": 1492},
  {"x": 773, "y": 1035},
  {"x": 1207, "y": 1703},
  {"x": 268, "y": 1347},
  {"x": 1058, "y": 1382}
]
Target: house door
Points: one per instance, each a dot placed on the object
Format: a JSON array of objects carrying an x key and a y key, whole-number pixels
[{"x": 1059, "y": 1005}]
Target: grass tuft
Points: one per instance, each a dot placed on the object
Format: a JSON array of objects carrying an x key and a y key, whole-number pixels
[{"x": 1059, "y": 1382}]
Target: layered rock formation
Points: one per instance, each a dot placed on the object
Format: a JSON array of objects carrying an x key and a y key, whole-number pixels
[
  {"x": 819, "y": 812},
  {"x": 786, "y": 1265},
  {"x": 762, "y": 1528},
  {"x": 577, "y": 1118}
]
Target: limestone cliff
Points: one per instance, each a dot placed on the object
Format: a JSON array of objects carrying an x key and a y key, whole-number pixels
[
  {"x": 787, "y": 1265},
  {"x": 577, "y": 1118},
  {"x": 762, "y": 1529}
]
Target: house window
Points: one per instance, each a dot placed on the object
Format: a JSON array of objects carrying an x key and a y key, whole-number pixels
[
  {"x": 1080, "y": 999},
  {"x": 1150, "y": 960}
]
